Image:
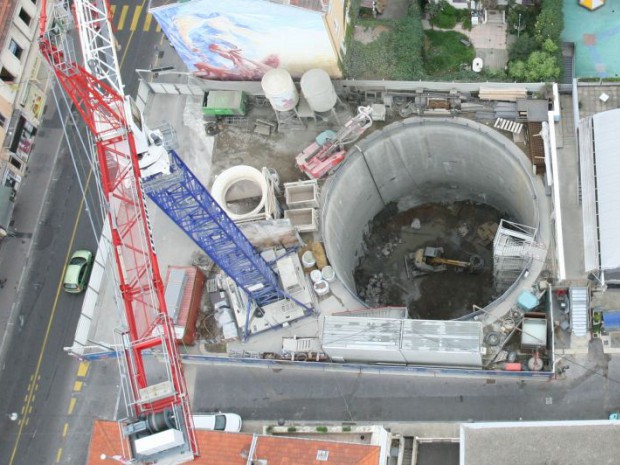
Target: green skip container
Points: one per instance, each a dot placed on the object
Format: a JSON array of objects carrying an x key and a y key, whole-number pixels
[{"x": 224, "y": 103}]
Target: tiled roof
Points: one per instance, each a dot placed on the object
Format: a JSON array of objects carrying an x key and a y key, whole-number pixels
[{"x": 218, "y": 448}]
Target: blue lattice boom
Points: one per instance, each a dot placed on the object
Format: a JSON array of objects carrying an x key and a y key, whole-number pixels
[{"x": 188, "y": 203}]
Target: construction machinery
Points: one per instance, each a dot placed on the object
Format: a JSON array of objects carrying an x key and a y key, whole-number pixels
[
  {"x": 431, "y": 260},
  {"x": 133, "y": 160},
  {"x": 158, "y": 427},
  {"x": 329, "y": 148}
]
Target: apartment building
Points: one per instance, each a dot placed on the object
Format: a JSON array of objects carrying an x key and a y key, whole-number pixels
[{"x": 23, "y": 86}]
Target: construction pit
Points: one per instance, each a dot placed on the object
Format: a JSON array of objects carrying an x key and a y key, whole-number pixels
[{"x": 429, "y": 182}]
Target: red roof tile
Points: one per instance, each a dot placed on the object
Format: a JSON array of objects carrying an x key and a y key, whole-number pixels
[{"x": 218, "y": 448}]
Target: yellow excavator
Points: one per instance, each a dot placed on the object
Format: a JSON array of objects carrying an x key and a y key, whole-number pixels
[{"x": 430, "y": 259}]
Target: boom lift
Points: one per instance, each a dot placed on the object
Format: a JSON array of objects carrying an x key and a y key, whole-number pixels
[{"x": 159, "y": 425}]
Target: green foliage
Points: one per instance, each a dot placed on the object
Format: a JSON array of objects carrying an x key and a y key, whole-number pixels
[
  {"x": 444, "y": 53},
  {"x": 443, "y": 15},
  {"x": 321, "y": 429},
  {"x": 541, "y": 65},
  {"x": 444, "y": 21},
  {"x": 346, "y": 429},
  {"x": 432, "y": 9},
  {"x": 467, "y": 22},
  {"x": 406, "y": 42},
  {"x": 550, "y": 21},
  {"x": 523, "y": 17},
  {"x": 522, "y": 47},
  {"x": 291, "y": 429},
  {"x": 396, "y": 54}
]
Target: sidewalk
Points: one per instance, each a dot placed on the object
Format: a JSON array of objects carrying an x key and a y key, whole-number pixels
[{"x": 15, "y": 251}]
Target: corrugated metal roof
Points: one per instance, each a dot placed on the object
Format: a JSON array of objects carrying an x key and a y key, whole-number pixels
[
  {"x": 442, "y": 336},
  {"x": 607, "y": 163},
  {"x": 417, "y": 335},
  {"x": 588, "y": 195},
  {"x": 345, "y": 331},
  {"x": 579, "y": 303}
]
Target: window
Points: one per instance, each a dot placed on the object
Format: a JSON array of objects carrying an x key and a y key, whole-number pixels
[
  {"x": 15, "y": 162},
  {"x": 6, "y": 76},
  {"x": 25, "y": 17},
  {"x": 2, "y": 120},
  {"x": 15, "y": 49}
]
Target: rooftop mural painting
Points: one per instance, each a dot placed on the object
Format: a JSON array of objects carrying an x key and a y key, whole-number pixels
[{"x": 243, "y": 39}]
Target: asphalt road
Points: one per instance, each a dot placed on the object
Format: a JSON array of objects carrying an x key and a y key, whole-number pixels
[
  {"x": 294, "y": 394},
  {"x": 37, "y": 377}
]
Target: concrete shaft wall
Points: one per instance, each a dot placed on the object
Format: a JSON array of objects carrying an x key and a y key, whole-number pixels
[{"x": 419, "y": 161}]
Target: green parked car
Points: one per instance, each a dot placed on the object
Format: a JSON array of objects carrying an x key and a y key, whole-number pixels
[{"x": 78, "y": 271}]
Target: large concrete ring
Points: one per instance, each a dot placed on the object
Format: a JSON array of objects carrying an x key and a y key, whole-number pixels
[{"x": 428, "y": 160}]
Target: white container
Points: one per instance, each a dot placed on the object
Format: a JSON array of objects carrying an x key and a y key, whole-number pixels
[
  {"x": 303, "y": 219},
  {"x": 280, "y": 89},
  {"x": 317, "y": 87},
  {"x": 321, "y": 287},
  {"x": 328, "y": 274},
  {"x": 308, "y": 260},
  {"x": 316, "y": 276}
]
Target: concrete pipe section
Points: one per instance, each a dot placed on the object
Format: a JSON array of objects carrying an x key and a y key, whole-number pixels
[
  {"x": 241, "y": 191},
  {"x": 430, "y": 161}
]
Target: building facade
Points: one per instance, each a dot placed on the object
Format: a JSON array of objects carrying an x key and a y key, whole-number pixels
[{"x": 23, "y": 85}]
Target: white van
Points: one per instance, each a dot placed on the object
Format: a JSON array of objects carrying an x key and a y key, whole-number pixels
[{"x": 230, "y": 422}]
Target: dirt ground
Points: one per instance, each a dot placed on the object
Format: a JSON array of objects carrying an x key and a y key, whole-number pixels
[{"x": 385, "y": 275}]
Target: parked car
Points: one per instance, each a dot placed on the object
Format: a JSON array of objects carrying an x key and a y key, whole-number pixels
[
  {"x": 78, "y": 271},
  {"x": 230, "y": 422}
]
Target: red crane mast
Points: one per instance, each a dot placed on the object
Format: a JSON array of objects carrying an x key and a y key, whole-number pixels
[{"x": 97, "y": 93}]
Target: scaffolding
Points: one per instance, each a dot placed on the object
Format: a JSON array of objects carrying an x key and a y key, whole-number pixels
[{"x": 512, "y": 253}]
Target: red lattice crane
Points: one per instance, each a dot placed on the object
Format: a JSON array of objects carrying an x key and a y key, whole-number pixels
[{"x": 159, "y": 415}]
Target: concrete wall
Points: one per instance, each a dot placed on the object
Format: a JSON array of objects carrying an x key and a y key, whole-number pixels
[{"x": 419, "y": 161}]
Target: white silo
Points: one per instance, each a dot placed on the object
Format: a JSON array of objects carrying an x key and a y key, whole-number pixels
[
  {"x": 280, "y": 89},
  {"x": 318, "y": 90}
]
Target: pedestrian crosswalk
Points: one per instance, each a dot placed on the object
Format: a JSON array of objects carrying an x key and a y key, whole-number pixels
[{"x": 133, "y": 18}]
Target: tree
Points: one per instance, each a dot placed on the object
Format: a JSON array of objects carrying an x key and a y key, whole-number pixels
[
  {"x": 522, "y": 47},
  {"x": 550, "y": 22},
  {"x": 541, "y": 65},
  {"x": 432, "y": 9}
]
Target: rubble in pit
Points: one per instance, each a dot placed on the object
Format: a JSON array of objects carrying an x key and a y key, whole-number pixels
[{"x": 386, "y": 275}]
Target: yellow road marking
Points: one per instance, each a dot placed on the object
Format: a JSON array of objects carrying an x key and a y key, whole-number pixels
[
  {"x": 82, "y": 369},
  {"x": 121, "y": 22},
  {"x": 23, "y": 409},
  {"x": 127, "y": 45},
  {"x": 64, "y": 430},
  {"x": 136, "y": 17},
  {"x": 37, "y": 370},
  {"x": 27, "y": 420},
  {"x": 113, "y": 9},
  {"x": 147, "y": 22},
  {"x": 77, "y": 386},
  {"x": 59, "y": 455},
  {"x": 158, "y": 28},
  {"x": 71, "y": 405}
]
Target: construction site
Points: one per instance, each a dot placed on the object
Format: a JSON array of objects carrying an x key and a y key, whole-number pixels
[{"x": 314, "y": 220}]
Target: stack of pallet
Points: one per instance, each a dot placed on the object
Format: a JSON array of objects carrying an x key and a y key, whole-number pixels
[{"x": 508, "y": 94}]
